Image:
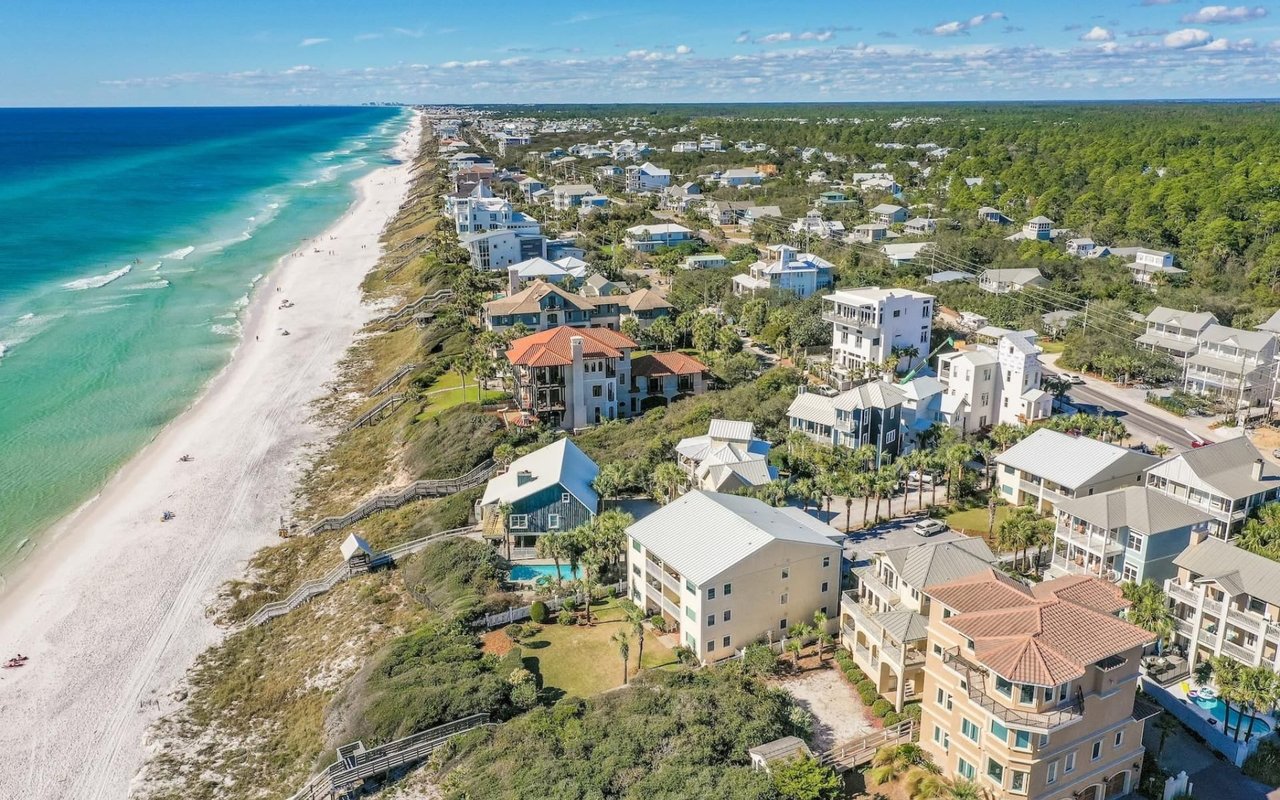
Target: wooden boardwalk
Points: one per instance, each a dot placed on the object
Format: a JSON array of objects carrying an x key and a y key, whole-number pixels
[
  {"x": 855, "y": 753},
  {"x": 414, "y": 491},
  {"x": 355, "y": 764},
  {"x": 375, "y": 414}
]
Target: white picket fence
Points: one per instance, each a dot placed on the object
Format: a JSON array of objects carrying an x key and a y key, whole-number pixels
[{"x": 517, "y": 614}]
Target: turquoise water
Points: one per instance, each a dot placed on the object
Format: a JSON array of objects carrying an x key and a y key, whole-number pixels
[
  {"x": 532, "y": 572},
  {"x": 132, "y": 240},
  {"x": 1217, "y": 709}
]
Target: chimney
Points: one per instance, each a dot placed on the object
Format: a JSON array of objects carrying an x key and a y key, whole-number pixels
[
  {"x": 1256, "y": 474},
  {"x": 523, "y": 477},
  {"x": 513, "y": 280}
]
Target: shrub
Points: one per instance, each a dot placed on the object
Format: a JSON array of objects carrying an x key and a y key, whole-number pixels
[
  {"x": 518, "y": 631},
  {"x": 759, "y": 659},
  {"x": 845, "y": 660},
  {"x": 524, "y": 695},
  {"x": 1264, "y": 765},
  {"x": 856, "y": 676},
  {"x": 868, "y": 696},
  {"x": 686, "y": 656},
  {"x": 659, "y": 623},
  {"x": 538, "y": 612},
  {"x": 912, "y": 711},
  {"x": 892, "y": 718},
  {"x": 565, "y": 617},
  {"x": 881, "y": 707}
]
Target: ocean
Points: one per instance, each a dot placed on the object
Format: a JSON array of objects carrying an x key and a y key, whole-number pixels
[{"x": 130, "y": 240}]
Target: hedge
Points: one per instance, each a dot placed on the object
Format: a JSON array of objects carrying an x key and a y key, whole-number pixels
[
  {"x": 912, "y": 711},
  {"x": 881, "y": 707}
]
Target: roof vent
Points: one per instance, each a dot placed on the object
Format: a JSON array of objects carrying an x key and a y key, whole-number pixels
[{"x": 523, "y": 476}]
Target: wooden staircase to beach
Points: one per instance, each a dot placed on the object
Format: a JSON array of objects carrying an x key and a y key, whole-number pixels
[
  {"x": 355, "y": 764},
  {"x": 392, "y": 380},
  {"x": 375, "y": 414},
  {"x": 856, "y": 752},
  {"x": 414, "y": 491},
  {"x": 438, "y": 296}
]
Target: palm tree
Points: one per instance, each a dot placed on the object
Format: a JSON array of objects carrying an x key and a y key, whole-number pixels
[
  {"x": 824, "y": 638},
  {"x": 1226, "y": 674},
  {"x": 795, "y": 645},
  {"x": 1166, "y": 723},
  {"x": 551, "y": 545},
  {"x": 957, "y": 457},
  {"x": 897, "y": 759},
  {"x": 1006, "y": 435},
  {"x": 609, "y": 481},
  {"x": 624, "y": 649},
  {"x": 667, "y": 478},
  {"x": 635, "y": 616},
  {"x": 1149, "y": 609}
]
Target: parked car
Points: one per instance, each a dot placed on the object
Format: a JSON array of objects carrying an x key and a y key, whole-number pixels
[
  {"x": 928, "y": 527},
  {"x": 1074, "y": 380}
]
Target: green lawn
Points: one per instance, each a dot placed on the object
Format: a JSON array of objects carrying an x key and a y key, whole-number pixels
[
  {"x": 584, "y": 661},
  {"x": 1050, "y": 346},
  {"x": 455, "y": 397},
  {"x": 449, "y": 380},
  {"x": 974, "y": 521}
]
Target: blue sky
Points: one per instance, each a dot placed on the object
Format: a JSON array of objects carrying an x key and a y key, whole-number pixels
[{"x": 199, "y": 52}]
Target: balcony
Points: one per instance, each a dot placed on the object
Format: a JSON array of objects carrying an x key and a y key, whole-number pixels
[
  {"x": 868, "y": 578},
  {"x": 1097, "y": 542},
  {"x": 857, "y": 320},
  {"x": 668, "y": 580},
  {"x": 1240, "y": 652},
  {"x": 668, "y": 606},
  {"x": 1183, "y": 594},
  {"x": 976, "y": 678}
]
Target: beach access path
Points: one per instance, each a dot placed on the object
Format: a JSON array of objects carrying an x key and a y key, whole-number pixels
[{"x": 111, "y": 609}]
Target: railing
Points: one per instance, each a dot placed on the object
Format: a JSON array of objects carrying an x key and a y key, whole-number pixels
[
  {"x": 438, "y": 296},
  {"x": 668, "y": 606},
  {"x": 976, "y": 679},
  {"x": 852, "y": 754},
  {"x": 313, "y": 588},
  {"x": 414, "y": 491},
  {"x": 392, "y": 380},
  {"x": 1239, "y": 652},
  {"x": 372, "y": 415},
  {"x": 1182, "y": 593},
  {"x": 516, "y": 614},
  {"x": 668, "y": 580},
  {"x": 356, "y": 765}
]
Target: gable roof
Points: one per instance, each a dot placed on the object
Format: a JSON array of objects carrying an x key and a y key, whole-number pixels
[
  {"x": 702, "y": 534},
  {"x": 552, "y": 347},
  {"x": 1135, "y": 507},
  {"x": 732, "y": 430},
  {"x": 1019, "y": 275},
  {"x": 1272, "y": 325},
  {"x": 874, "y": 394},
  {"x": 1249, "y": 340},
  {"x": 1237, "y": 570},
  {"x": 1194, "y": 320},
  {"x": 558, "y": 463},
  {"x": 1227, "y": 467},
  {"x": 529, "y": 300},
  {"x": 644, "y": 300},
  {"x": 1073, "y": 461},
  {"x": 934, "y": 563}
]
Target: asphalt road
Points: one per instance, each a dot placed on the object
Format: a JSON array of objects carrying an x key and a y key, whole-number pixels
[{"x": 1141, "y": 423}]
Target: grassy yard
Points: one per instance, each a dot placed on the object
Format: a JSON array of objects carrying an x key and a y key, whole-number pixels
[
  {"x": 583, "y": 661},
  {"x": 454, "y": 397},
  {"x": 1051, "y": 346},
  {"x": 974, "y": 521}
]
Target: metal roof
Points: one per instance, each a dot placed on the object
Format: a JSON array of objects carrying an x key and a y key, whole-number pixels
[
  {"x": 1137, "y": 508},
  {"x": 731, "y": 429},
  {"x": 702, "y": 534},
  {"x": 1073, "y": 461},
  {"x": 558, "y": 463},
  {"x": 1227, "y": 467},
  {"x": 1236, "y": 570}
]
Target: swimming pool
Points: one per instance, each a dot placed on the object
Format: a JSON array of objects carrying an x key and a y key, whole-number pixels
[
  {"x": 1217, "y": 709},
  {"x": 533, "y": 572}
]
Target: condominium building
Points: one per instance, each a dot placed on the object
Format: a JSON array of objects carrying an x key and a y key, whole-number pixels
[
  {"x": 868, "y": 414},
  {"x": 480, "y": 211},
  {"x": 789, "y": 270},
  {"x": 1129, "y": 534},
  {"x": 1031, "y": 691},
  {"x": 1227, "y": 480},
  {"x": 725, "y": 571},
  {"x": 870, "y": 324},
  {"x": 1048, "y": 467},
  {"x": 1175, "y": 333},
  {"x": 996, "y": 383},
  {"x": 1226, "y": 601},
  {"x": 1233, "y": 364},
  {"x": 542, "y": 306},
  {"x": 884, "y": 621}
]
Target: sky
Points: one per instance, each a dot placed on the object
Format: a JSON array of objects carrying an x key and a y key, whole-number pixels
[{"x": 269, "y": 52}]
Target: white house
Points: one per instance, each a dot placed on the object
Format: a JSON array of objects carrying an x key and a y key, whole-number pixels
[
  {"x": 569, "y": 195},
  {"x": 728, "y": 458},
  {"x": 647, "y": 238},
  {"x": 869, "y": 324},
  {"x": 920, "y": 226},
  {"x": 1003, "y": 281},
  {"x": 647, "y": 178},
  {"x": 749, "y": 573},
  {"x": 996, "y": 383},
  {"x": 802, "y": 274},
  {"x": 741, "y": 176}
]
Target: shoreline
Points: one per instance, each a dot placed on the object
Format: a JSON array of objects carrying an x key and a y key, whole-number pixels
[{"x": 110, "y": 607}]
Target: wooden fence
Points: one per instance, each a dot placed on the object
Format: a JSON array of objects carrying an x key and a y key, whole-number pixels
[
  {"x": 414, "y": 491},
  {"x": 857, "y": 752},
  {"x": 313, "y": 588},
  {"x": 517, "y": 614},
  {"x": 355, "y": 764}
]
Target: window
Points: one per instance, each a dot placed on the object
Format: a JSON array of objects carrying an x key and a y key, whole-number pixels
[
  {"x": 1119, "y": 738},
  {"x": 724, "y": 642},
  {"x": 711, "y": 645},
  {"x": 999, "y": 731},
  {"x": 728, "y": 589},
  {"x": 825, "y": 586},
  {"x": 690, "y": 641},
  {"x": 965, "y": 769},
  {"x": 1135, "y": 541},
  {"x": 1051, "y": 775},
  {"x": 995, "y": 771},
  {"x": 598, "y": 391},
  {"x": 782, "y": 601},
  {"x": 937, "y": 650},
  {"x": 689, "y": 587},
  {"x": 1069, "y": 763},
  {"x": 688, "y": 612},
  {"x": 728, "y": 615},
  {"x": 826, "y": 562},
  {"x": 518, "y": 522},
  {"x": 553, "y": 522},
  {"x": 1048, "y": 693},
  {"x": 1096, "y": 752},
  {"x": 711, "y": 593},
  {"x": 711, "y": 620},
  {"x": 890, "y": 437},
  {"x": 786, "y": 573},
  {"x": 635, "y": 545},
  {"x": 968, "y": 645},
  {"x": 1062, "y": 692},
  {"x": 782, "y": 624},
  {"x": 1018, "y": 782},
  {"x": 1021, "y": 740},
  {"x": 897, "y": 312},
  {"x": 969, "y": 729},
  {"x": 1026, "y": 694},
  {"x": 1002, "y": 686}
]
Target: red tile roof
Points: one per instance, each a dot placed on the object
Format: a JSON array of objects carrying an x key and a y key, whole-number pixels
[
  {"x": 1083, "y": 590},
  {"x": 551, "y": 347},
  {"x": 658, "y": 365}
]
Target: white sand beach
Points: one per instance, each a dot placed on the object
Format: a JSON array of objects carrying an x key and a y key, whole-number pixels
[{"x": 112, "y": 609}]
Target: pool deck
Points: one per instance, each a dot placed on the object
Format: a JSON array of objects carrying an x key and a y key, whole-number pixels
[{"x": 1174, "y": 699}]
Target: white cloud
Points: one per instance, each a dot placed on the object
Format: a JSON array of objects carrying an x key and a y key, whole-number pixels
[
  {"x": 1097, "y": 34},
  {"x": 1187, "y": 37},
  {"x": 365, "y": 37},
  {"x": 311, "y": 42},
  {"x": 683, "y": 50},
  {"x": 1210, "y": 15},
  {"x": 959, "y": 26},
  {"x": 743, "y": 37}
]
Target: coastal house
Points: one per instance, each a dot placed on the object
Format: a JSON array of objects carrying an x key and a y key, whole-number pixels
[
  {"x": 565, "y": 273},
  {"x": 1130, "y": 534},
  {"x": 903, "y": 253},
  {"x": 997, "y": 383},
  {"x": 812, "y": 224},
  {"x": 920, "y": 226},
  {"x": 1227, "y": 480},
  {"x": 870, "y": 324},
  {"x": 705, "y": 261},
  {"x": 1031, "y": 691},
  {"x": 660, "y": 378},
  {"x": 755, "y": 214},
  {"x": 740, "y": 176},
  {"x": 727, "y": 212},
  {"x": 868, "y": 414},
  {"x": 477, "y": 212},
  {"x": 1234, "y": 365},
  {"x": 500, "y": 248},
  {"x": 1149, "y": 267},
  {"x": 1175, "y": 333},
  {"x": 1003, "y": 281},
  {"x": 888, "y": 214},
  {"x": 646, "y": 177},
  {"x": 832, "y": 197},
  {"x": 1048, "y": 467},
  {"x": 727, "y": 458},
  {"x": 648, "y": 238},
  {"x": 597, "y": 285},
  {"x": 538, "y": 307},
  {"x": 751, "y": 572},
  {"x": 801, "y": 274},
  {"x": 572, "y": 378},
  {"x": 993, "y": 216},
  {"x": 549, "y": 489},
  {"x": 869, "y": 232},
  {"x": 884, "y": 622},
  {"x": 569, "y": 195},
  {"x": 680, "y": 198}
]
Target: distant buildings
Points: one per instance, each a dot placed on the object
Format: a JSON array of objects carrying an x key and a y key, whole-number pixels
[
  {"x": 802, "y": 274},
  {"x": 648, "y": 238},
  {"x": 646, "y": 177},
  {"x": 543, "y": 305},
  {"x": 1003, "y": 281}
]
